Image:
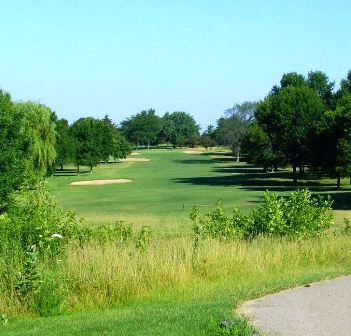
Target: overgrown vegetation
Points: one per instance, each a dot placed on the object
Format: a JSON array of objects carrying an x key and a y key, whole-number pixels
[
  {"x": 298, "y": 215},
  {"x": 52, "y": 262}
]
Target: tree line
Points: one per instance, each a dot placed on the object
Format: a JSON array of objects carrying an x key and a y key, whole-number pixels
[
  {"x": 302, "y": 122},
  {"x": 34, "y": 142}
]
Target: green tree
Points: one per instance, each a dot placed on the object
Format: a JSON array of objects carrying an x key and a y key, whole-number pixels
[
  {"x": 290, "y": 118},
  {"x": 320, "y": 82},
  {"x": 142, "y": 128},
  {"x": 27, "y": 144},
  {"x": 87, "y": 135},
  {"x": 334, "y": 141},
  {"x": 38, "y": 139},
  {"x": 232, "y": 129},
  {"x": 180, "y": 128},
  {"x": 208, "y": 137},
  {"x": 292, "y": 79},
  {"x": 259, "y": 149},
  {"x": 114, "y": 143},
  {"x": 64, "y": 148},
  {"x": 11, "y": 168}
]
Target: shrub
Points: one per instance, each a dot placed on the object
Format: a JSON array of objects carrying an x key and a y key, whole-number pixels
[{"x": 298, "y": 215}]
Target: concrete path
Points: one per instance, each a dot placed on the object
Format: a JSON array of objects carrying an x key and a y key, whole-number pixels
[{"x": 323, "y": 309}]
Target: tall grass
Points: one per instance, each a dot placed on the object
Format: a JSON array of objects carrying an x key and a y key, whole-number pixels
[{"x": 103, "y": 275}]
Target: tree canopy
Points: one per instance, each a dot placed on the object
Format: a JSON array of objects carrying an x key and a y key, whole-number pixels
[{"x": 180, "y": 129}]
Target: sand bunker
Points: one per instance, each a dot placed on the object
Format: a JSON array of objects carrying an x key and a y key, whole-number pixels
[
  {"x": 101, "y": 182},
  {"x": 135, "y": 153},
  {"x": 135, "y": 160},
  {"x": 193, "y": 152}
]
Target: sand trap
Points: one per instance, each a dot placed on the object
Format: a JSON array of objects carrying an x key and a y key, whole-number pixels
[
  {"x": 101, "y": 182},
  {"x": 135, "y": 153},
  {"x": 193, "y": 152},
  {"x": 135, "y": 160}
]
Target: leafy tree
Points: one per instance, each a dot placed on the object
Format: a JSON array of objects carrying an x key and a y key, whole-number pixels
[
  {"x": 320, "y": 82},
  {"x": 292, "y": 79},
  {"x": 27, "y": 144},
  {"x": 232, "y": 129},
  {"x": 259, "y": 149},
  {"x": 208, "y": 138},
  {"x": 290, "y": 119},
  {"x": 87, "y": 134},
  {"x": 180, "y": 128},
  {"x": 143, "y": 128},
  {"x": 11, "y": 157},
  {"x": 114, "y": 143},
  {"x": 334, "y": 142},
  {"x": 38, "y": 140},
  {"x": 64, "y": 149}
]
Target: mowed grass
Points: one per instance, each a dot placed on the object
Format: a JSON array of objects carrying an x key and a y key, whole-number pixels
[{"x": 164, "y": 189}]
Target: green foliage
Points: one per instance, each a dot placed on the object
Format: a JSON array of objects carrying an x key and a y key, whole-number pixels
[
  {"x": 143, "y": 128},
  {"x": 180, "y": 128},
  {"x": 232, "y": 129},
  {"x": 143, "y": 239},
  {"x": 34, "y": 218},
  {"x": 298, "y": 215},
  {"x": 27, "y": 144},
  {"x": 117, "y": 232},
  {"x": 237, "y": 327},
  {"x": 10, "y": 148},
  {"x": 347, "y": 227},
  {"x": 38, "y": 140},
  {"x": 29, "y": 278},
  {"x": 64, "y": 148}
]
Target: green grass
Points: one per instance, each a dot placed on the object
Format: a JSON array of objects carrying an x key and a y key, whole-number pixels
[
  {"x": 165, "y": 291},
  {"x": 168, "y": 296},
  {"x": 164, "y": 189}
]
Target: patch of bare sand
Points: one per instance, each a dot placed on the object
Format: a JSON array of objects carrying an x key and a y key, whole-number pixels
[
  {"x": 101, "y": 182},
  {"x": 193, "y": 152},
  {"x": 134, "y": 160},
  {"x": 135, "y": 153}
]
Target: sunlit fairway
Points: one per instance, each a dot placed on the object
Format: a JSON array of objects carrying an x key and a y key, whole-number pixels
[{"x": 164, "y": 189}]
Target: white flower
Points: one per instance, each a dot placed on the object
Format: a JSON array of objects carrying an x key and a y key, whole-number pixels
[{"x": 56, "y": 235}]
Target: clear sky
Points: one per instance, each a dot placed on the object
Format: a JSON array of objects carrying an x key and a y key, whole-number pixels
[{"x": 91, "y": 58}]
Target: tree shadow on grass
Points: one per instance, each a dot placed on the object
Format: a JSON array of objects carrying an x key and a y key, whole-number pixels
[
  {"x": 342, "y": 200},
  {"x": 194, "y": 161},
  {"x": 70, "y": 172},
  {"x": 258, "y": 181}
]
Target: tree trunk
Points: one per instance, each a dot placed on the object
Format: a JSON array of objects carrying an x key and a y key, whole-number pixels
[
  {"x": 275, "y": 167},
  {"x": 148, "y": 145},
  {"x": 338, "y": 182},
  {"x": 61, "y": 166},
  {"x": 91, "y": 168},
  {"x": 294, "y": 174},
  {"x": 238, "y": 154}
]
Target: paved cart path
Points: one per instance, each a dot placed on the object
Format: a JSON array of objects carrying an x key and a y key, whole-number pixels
[{"x": 323, "y": 309}]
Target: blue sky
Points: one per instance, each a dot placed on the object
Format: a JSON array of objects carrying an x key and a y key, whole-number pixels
[{"x": 91, "y": 58}]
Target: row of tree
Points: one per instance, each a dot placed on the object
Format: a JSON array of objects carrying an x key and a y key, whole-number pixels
[
  {"x": 302, "y": 122},
  {"x": 33, "y": 142},
  {"x": 146, "y": 128},
  {"x": 88, "y": 141}
]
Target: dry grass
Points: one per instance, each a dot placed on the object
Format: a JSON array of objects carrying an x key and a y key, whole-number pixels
[{"x": 104, "y": 275}]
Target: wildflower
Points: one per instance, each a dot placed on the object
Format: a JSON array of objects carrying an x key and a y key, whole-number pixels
[{"x": 56, "y": 235}]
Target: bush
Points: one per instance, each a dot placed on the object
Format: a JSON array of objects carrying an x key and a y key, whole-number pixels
[
  {"x": 298, "y": 215},
  {"x": 34, "y": 233}
]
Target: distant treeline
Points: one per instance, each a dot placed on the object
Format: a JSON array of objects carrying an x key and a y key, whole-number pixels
[{"x": 303, "y": 122}]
